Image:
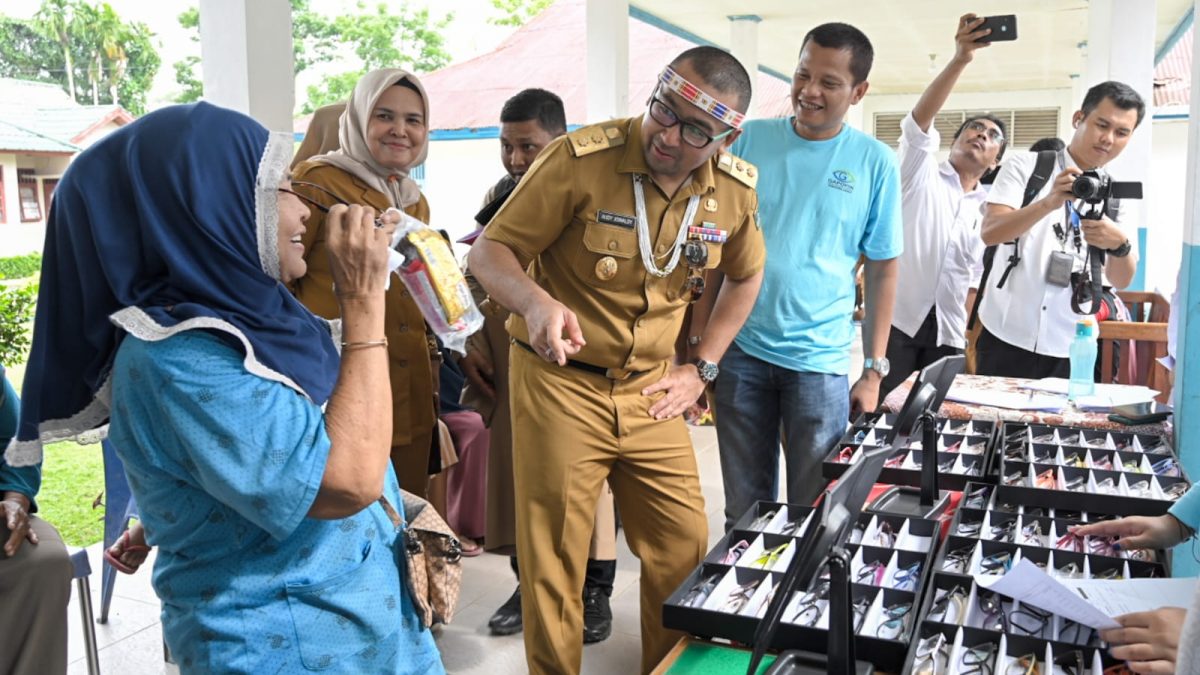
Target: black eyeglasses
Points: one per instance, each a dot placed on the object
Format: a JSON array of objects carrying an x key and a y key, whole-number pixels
[
  {"x": 978, "y": 660},
  {"x": 695, "y": 136},
  {"x": 316, "y": 204},
  {"x": 991, "y": 132},
  {"x": 992, "y": 607},
  {"x": 1030, "y": 620}
]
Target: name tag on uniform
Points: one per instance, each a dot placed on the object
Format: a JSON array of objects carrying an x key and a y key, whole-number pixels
[{"x": 610, "y": 218}]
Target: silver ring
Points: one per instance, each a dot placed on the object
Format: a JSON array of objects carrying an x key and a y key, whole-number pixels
[{"x": 550, "y": 353}]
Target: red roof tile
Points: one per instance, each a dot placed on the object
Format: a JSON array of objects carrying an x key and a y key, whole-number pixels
[
  {"x": 551, "y": 52},
  {"x": 1173, "y": 74}
]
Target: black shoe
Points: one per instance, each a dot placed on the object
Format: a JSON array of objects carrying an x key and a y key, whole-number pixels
[
  {"x": 507, "y": 619},
  {"x": 597, "y": 615}
]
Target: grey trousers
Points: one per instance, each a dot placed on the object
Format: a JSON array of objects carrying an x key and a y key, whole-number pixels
[{"x": 35, "y": 586}]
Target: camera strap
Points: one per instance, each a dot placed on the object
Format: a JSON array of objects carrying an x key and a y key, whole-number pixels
[
  {"x": 1043, "y": 169},
  {"x": 1088, "y": 287}
]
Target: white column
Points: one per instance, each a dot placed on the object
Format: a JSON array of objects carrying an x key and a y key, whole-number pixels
[
  {"x": 1187, "y": 371},
  {"x": 608, "y": 59},
  {"x": 743, "y": 41},
  {"x": 246, "y": 52},
  {"x": 1121, "y": 47}
]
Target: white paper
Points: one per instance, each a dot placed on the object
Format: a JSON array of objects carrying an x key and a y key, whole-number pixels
[
  {"x": 1013, "y": 400},
  {"x": 1105, "y": 397},
  {"x": 1027, "y": 583},
  {"x": 1115, "y": 597}
]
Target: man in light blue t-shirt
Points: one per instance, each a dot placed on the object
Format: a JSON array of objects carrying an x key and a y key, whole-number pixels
[{"x": 827, "y": 193}]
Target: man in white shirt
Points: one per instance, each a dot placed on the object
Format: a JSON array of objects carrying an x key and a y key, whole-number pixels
[
  {"x": 1028, "y": 322},
  {"x": 942, "y": 204}
]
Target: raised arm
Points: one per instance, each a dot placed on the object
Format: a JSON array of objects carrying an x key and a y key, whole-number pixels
[
  {"x": 358, "y": 418},
  {"x": 939, "y": 89}
]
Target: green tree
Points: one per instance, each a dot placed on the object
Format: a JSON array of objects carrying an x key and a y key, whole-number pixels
[
  {"x": 377, "y": 37},
  {"x": 517, "y": 12},
  {"x": 53, "y": 20},
  {"x": 71, "y": 41}
]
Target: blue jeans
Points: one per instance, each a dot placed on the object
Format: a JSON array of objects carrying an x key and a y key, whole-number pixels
[{"x": 755, "y": 402}]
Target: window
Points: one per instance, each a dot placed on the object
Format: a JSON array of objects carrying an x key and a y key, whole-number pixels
[
  {"x": 1024, "y": 127},
  {"x": 31, "y": 207},
  {"x": 417, "y": 173}
]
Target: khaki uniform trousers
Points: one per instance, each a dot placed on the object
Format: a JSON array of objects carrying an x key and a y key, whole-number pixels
[
  {"x": 35, "y": 586},
  {"x": 571, "y": 431},
  {"x": 411, "y": 462},
  {"x": 501, "y": 535}
]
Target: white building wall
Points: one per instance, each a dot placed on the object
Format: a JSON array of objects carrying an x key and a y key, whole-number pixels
[
  {"x": 1164, "y": 197},
  {"x": 16, "y": 238},
  {"x": 1022, "y": 99},
  {"x": 457, "y": 174}
]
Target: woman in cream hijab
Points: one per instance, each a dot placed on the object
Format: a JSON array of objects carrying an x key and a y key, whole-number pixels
[{"x": 383, "y": 134}]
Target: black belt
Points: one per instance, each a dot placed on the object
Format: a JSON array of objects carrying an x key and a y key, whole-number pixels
[{"x": 586, "y": 367}]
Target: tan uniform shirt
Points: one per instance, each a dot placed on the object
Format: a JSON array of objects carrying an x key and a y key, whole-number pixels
[
  {"x": 571, "y": 223},
  {"x": 408, "y": 350}
]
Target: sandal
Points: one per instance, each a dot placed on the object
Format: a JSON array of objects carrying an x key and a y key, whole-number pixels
[
  {"x": 470, "y": 547},
  {"x": 122, "y": 548}
]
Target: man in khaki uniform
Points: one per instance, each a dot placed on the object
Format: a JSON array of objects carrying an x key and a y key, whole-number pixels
[
  {"x": 601, "y": 221},
  {"x": 529, "y": 121}
]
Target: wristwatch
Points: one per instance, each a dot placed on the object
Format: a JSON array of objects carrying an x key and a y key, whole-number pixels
[
  {"x": 1122, "y": 250},
  {"x": 708, "y": 370},
  {"x": 880, "y": 365}
]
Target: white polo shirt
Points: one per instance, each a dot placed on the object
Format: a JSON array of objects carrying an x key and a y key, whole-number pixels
[
  {"x": 942, "y": 248},
  {"x": 1029, "y": 312}
]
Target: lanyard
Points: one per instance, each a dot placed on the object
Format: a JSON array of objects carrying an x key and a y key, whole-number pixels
[
  {"x": 1071, "y": 232},
  {"x": 643, "y": 231}
]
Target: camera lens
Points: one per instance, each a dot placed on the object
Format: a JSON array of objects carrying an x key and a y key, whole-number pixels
[{"x": 1087, "y": 187}]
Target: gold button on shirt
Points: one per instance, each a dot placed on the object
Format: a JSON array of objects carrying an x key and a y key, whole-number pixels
[{"x": 571, "y": 223}]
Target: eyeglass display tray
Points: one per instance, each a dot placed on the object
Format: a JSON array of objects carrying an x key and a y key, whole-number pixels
[
  {"x": 1119, "y": 473},
  {"x": 988, "y": 526},
  {"x": 974, "y": 441},
  {"x": 991, "y": 623},
  {"x": 912, "y": 541}
]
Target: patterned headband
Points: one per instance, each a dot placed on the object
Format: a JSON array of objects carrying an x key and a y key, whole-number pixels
[{"x": 693, "y": 94}]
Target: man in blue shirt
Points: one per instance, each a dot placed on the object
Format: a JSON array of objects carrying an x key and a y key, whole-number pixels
[{"x": 828, "y": 193}]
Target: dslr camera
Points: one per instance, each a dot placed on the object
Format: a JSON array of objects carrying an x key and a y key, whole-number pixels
[{"x": 1095, "y": 189}]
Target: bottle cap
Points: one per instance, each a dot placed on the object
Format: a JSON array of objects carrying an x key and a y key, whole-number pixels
[{"x": 1085, "y": 328}]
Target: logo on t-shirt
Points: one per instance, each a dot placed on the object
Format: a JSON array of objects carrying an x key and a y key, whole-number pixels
[{"x": 842, "y": 180}]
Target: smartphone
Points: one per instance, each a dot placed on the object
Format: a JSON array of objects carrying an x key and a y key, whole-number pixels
[{"x": 1004, "y": 27}]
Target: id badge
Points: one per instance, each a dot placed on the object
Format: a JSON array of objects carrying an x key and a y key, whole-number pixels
[{"x": 1058, "y": 273}]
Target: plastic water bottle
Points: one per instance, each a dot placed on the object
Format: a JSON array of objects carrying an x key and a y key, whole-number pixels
[{"x": 1083, "y": 360}]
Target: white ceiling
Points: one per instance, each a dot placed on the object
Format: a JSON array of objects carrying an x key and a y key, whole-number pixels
[{"x": 905, "y": 32}]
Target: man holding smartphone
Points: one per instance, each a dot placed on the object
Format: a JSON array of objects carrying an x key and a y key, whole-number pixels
[
  {"x": 942, "y": 204},
  {"x": 1028, "y": 322}
]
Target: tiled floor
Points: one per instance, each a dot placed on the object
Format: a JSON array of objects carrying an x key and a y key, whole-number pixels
[{"x": 131, "y": 642}]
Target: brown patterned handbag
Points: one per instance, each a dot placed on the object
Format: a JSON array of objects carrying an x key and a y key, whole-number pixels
[{"x": 433, "y": 555}]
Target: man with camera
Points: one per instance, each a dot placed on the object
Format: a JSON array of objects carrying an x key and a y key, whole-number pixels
[{"x": 1054, "y": 239}]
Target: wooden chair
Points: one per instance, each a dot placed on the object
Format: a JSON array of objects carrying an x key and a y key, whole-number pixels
[{"x": 1146, "y": 334}]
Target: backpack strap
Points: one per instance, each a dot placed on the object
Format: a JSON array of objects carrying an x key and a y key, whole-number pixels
[{"x": 1043, "y": 169}]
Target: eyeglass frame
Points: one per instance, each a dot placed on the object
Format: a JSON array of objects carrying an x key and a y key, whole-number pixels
[
  {"x": 673, "y": 119},
  {"x": 319, "y": 206},
  {"x": 929, "y": 649},
  {"x": 984, "y": 658},
  {"x": 956, "y": 596},
  {"x": 896, "y": 614},
  {"x": 993, "y": 134},
  {"x": 906, "y": 578},
  {"x": 874, "y": 569}
]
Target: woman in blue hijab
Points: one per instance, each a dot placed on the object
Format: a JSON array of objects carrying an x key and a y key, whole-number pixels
[{"x": 257, "y": 455}]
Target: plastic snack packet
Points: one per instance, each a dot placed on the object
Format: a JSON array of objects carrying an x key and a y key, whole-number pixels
[{"x": 424, "y": 262}]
